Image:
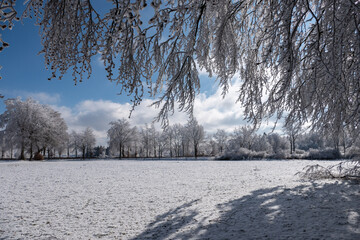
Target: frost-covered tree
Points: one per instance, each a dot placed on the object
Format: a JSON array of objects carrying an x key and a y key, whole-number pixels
[
  {"x": 83, "y": 141},
  {"x": 221, "y": 138},
  {"x": 145, "y": 136},
  {"x": 312, "y": 140},
  {"x": 292, "y": 129},
  {"x": 33, "y": 126},
  {"x": 170, "y": 135},
  {"x": 88, "y": 141},
  {"x": 242, "y": 137},
  {"x": 295, "y": 58},
  {"x": 278, "y": 143},
  {"x": 75, "y": 140},
  {"x": 120, "y": 134},
  {"x": 260, "y": 143},
  {"x": 196, "y": 134}
]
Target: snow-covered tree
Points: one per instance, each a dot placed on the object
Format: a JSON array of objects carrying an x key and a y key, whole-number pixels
[
  {"x": 312, "y": 140},
  {"x": 278, "y": 143},
  {"x": 221, "y": 138},
  {"x": 295, "y": 58},
  {"x": 75, "y": 141},
  {"x": 120, "y": 134},
  {"x": 33, "y": 126},
  {"x": 170, "y": 135},
  {"x": 180, "y": 140},
  {"x": 292, "y": 129},
  {"x": 261, "y": 144},
  {"x": 145, "y": 136},
  {"x": 87, "y": 142},
  {"x": 242, "y": 137},
  {"x": 195, "y": 133}
]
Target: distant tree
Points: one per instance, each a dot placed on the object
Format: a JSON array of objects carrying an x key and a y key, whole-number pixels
[
  {"x": 261, "y": 143},
  {"x": 33, "y": 126},
  {"x": 75, "y": 142},
  {"x": 3, "y": 144},
  {"x": 162, "y": 143},
  {"x": 277, "y": 142},
  {"x": 177, "y": 140},
  {"x": 292, "y": 129},
  {"x": 87, "y": 141},
  {"x": 99, "y": 151},
  {"x": 169, "y": 135},
  {"x": 195, "y": 133},
  {"x": 242, "y": 137},
  {"x": 312, "y": 140},
  {"x": 221, "y": 138},
  {"x": 154, "y": 139},
  {"x": 145, "y": 134},
  {"x": 120, "y": 134}
]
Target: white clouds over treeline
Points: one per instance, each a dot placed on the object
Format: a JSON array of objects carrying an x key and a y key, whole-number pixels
[{"x": 212, "y": 111}]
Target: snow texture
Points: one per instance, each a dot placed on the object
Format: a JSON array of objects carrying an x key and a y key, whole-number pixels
[{"x": 108, "y": 199}]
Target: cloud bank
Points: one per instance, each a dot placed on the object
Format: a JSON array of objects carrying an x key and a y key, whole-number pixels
[{"x": 213, "y": 112}]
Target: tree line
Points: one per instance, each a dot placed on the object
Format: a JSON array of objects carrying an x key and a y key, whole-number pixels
[{"x": 30, "y": 130}]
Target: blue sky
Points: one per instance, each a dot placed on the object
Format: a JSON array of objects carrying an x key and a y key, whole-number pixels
[{"x": 95, "y": 102}]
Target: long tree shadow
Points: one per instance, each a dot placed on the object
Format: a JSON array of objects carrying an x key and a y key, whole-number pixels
[
  {"x": 170, "y": 222},
  {"x": 316, "y": 211}
]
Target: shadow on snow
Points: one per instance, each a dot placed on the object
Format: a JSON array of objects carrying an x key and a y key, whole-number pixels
[{"x": 329, "y": 211}]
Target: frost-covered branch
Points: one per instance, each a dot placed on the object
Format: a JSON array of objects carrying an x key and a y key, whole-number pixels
[{"x": 298, "y": 59}]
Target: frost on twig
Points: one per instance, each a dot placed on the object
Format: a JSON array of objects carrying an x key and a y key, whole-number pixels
[{"x": 344, "y": 170}]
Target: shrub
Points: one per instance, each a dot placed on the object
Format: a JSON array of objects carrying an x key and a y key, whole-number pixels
[
  {"x": 299, "y": 151},
  {"x": 38, "y": 156},
  {"x": 324, "y": 154},
  {"x": 353, "y": 152},
  {"x": 243, "y": 154}
]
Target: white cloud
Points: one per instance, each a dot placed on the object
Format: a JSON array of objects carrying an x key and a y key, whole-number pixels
[
  {"x": 98, "y": 114},
  {"x": 213, "y": 112},
  {"x": 42, "y": 97}
]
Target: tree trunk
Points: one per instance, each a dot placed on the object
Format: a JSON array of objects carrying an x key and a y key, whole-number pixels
[
  {"x": 171, "y": 155},
  {"x": 120, "y": 150},
  {"x": 195, "y": 150},
  {"x": 31, "y": 151},
  {"x": 294, "y": 146},
  {"x": 22, "y": 152},
  {"x": 83, "y": 152}
]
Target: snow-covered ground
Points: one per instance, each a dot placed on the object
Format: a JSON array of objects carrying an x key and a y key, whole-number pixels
[{"x": 112, "y": 199}]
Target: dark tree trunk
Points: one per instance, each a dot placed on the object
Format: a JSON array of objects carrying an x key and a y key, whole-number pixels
[
  {"x": 22, "y": 153},
  {"x": 31, "y": 151},
  {"x": 120, "y": 150}
]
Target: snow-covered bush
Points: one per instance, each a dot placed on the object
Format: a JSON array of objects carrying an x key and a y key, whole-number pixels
[
  {"x": 281, "y": 154},
  {"x": 353, "y": 152},
  {"x": 324, "y": 154},
  {"x": 243, "y": 154}
]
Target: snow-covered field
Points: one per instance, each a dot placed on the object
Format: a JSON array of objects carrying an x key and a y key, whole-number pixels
[{"x": 112, "y": 199}]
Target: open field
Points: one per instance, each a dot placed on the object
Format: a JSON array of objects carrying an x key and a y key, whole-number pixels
[{"x": 111, "y": 199}]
